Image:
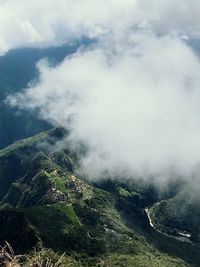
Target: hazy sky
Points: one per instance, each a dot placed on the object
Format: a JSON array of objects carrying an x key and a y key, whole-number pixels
[
  {"x": 52, "y": 22},
  {"x": 133, "y": 96}
]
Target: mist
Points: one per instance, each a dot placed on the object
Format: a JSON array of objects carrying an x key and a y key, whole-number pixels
[
  {"x": 29, "y": 23},
  {"x": 135, "y": 106},
  {"x": 132, "y": 96}
]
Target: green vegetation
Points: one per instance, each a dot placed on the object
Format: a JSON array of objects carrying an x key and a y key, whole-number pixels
[
  {"x": 46, "y": 205},
  {"x": 180, "y": 214},
  {"x": 60, "y": 183}
]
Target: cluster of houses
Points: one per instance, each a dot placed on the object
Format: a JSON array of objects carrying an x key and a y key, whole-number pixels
[
  {"x": 58, "y": 196},
  {"x": 75, "y": 185}
]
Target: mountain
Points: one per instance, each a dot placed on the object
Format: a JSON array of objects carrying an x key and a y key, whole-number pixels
[
  {"x": 47, "y": 204},
  {"x": 17, "y": 69},
  {"x": 179, "y": 215}
]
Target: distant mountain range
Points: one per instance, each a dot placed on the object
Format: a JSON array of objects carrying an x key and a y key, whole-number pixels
[{"x": 17, "y": 69}]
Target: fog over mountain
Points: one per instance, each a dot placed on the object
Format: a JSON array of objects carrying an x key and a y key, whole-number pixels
[
  {"x": 133, "y": 95},
  {"x": 100, "y": 133}
]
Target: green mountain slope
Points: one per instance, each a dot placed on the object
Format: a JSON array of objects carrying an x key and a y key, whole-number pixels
[
  {"x": 179, "y": 215},
  {"x": 46, "y": 203}
]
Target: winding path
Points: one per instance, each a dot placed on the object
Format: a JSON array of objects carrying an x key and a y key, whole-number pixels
[{"x": 182, "y": 237}]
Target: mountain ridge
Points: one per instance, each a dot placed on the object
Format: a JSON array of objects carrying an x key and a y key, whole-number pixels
[{"x": 46, "y": 203}]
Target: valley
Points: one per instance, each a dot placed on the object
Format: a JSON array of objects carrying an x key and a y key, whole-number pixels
[
  {"x": 181, "y": 236},
  {"x": 46, "y": 203}
]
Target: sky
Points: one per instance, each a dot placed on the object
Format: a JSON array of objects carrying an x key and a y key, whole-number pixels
[
  {"x": 51, "y": 22},
  {"x": 132, "y": 96}
]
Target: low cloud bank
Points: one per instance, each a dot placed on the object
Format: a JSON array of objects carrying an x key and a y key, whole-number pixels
[
  {"x": 135, "y": 104},
  {"x": 133, "y": 96}
]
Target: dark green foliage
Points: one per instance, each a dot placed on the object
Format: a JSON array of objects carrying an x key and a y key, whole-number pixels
[
  {"x": 16, "y": 229},
  {"x": 17, "y": 159},
  {"x": 44, "y": 201},
  {"x": 178, "y": 214}
]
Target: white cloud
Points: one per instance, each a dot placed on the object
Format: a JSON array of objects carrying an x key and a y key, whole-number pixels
[
  {"x": 134, "y": 95},
  {"x": 169, "y": 16},
  {"x": 53, "y": 22},
  {"x": 135, "y": 103}
]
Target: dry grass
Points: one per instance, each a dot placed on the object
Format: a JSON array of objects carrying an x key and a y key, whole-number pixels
[
  {"x": 8, "y": 258},
  {"x": 39, "y": 259}
]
